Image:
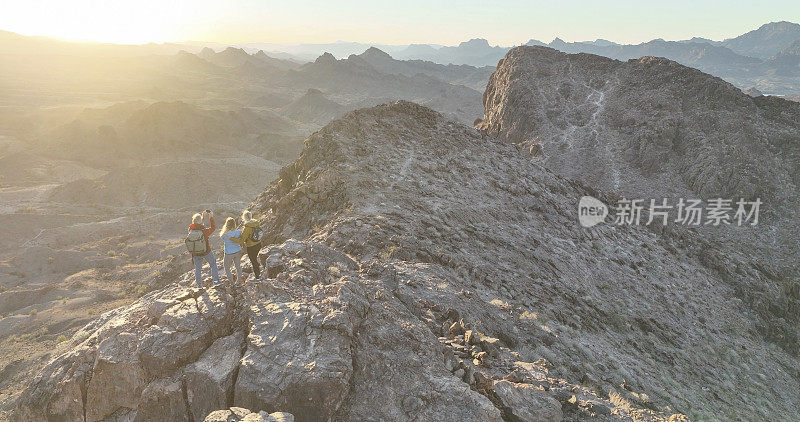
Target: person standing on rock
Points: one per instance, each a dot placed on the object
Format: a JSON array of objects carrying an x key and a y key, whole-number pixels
[
  {"x": 232, "y": 249},
  {"x": 251, "y": 235},
  {"x": 197, "y": 249}
]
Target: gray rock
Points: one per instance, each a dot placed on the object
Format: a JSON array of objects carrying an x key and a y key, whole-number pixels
[
  {"x": 524, "y": 403},
  {"x": 162, "y": 400},
  {"x": 209, "y": 380},
  {"x": 491, "y": 345},
  {"x": 239, "y": 414},
  {"x": 117, "y": 378},
  {"x": 294, "y": 362}
]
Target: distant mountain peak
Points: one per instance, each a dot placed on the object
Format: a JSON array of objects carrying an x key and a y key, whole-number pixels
[
  {"x": 475, "y": 42},
  {"x": 234, "y": 50},
  {"x": 766, "y": 41},
  {"x": 314, "y": 91},
  {"x": 325, "y": 58},
  {"x": 375, "y": 52},
  {"x": 780, "y": 25},
  {"x": 753, "y": 92}
]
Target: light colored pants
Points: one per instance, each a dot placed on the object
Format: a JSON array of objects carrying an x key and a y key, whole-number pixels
[
  {"x": 236, "y": 257},
  {"x": 198, "y": 266}
]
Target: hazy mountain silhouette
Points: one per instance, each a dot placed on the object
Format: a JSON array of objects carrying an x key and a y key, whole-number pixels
[{"x": 766, "y": 41}]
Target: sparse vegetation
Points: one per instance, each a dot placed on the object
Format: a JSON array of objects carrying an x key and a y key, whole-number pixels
[
  {"x": 80, "y": 336},
  {"x": 387, "y": 253},
  {"x": 140, "y": 290},
  {"x": 35, "y": 335}
]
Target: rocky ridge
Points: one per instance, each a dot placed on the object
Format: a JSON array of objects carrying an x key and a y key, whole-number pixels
[{"x": 440, "y": 275}]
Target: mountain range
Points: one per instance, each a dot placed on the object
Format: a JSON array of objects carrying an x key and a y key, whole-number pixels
[
  {"x": 423, "y": 246},
  {"x": 763, "y": 58}
]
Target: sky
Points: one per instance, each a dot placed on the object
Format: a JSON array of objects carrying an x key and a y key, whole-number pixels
[{"x": 502, "y": 22}]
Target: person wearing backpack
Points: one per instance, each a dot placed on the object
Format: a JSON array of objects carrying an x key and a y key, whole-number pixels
[
  {"x": 232, "y": 249},
  {"x": 200, "y": 248},
  {"x": 251, "y": 235}
]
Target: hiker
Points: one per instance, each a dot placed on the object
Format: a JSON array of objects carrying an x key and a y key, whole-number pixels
[
  {"x": 232, "y": 249},
  {"x": 200, "y": 248},
  {"x": 251, "y": 235}
]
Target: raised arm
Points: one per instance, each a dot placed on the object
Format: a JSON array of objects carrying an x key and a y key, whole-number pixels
[{"x": 210, "y": 229}]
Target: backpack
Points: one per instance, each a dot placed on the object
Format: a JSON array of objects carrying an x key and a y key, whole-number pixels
[
  {"x": 196, "y": 242},
  {"x": 257, "y": 234}
]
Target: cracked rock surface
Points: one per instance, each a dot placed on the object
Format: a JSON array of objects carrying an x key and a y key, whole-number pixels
[{"x": 421, "y": 271}]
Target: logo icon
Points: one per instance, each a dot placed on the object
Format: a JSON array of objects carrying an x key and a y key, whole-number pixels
[{"x": 591, "y": 211}]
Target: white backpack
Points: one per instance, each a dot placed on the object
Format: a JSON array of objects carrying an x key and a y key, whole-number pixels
[{"x": 196, "y": 242}]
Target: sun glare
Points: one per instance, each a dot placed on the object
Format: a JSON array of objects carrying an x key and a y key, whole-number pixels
[{"x": 100, "y": 21}]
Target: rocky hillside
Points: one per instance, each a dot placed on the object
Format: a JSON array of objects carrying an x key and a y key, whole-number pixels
[
  {"x": 652, "y": 128},
  {"x": 422, "y": 271}
]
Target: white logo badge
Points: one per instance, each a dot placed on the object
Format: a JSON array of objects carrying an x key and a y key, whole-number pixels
[{"x": 591, "y": 211}]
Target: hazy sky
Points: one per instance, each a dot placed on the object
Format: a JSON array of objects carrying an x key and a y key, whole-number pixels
[{"x": 506, "y": 22}]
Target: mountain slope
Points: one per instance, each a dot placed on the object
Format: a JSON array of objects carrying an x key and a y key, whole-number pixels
[
  {"x": 651, "y": 128},
  {"x": 414, "y": 228}
]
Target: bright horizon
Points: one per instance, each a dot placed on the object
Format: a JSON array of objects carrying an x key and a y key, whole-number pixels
[{"x": 505, "y": 23}]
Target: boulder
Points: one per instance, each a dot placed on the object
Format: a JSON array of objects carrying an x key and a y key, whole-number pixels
[
  {"x": 524, "y": 403},
  {"x": 55, "y": 393},
  {"x": 209, "y": 381},
  {"x": 184, "y": 331},
  {"x": 293, "y": 362},
  {"x": 491, "y": 345},
  {"x": 238, "y": 414},
  {"x": 117, "y": 379},
  {"x": 162, "y": 400}
]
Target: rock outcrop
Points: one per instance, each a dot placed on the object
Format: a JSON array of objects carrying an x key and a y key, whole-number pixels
[
  {"x": 422, "y": 271},
  {"x": 238, "y": 414},
  {"x": 651, "y": 128}
]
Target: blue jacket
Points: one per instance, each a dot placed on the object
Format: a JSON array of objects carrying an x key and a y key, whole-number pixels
[{"x": 231, "y": 245}]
